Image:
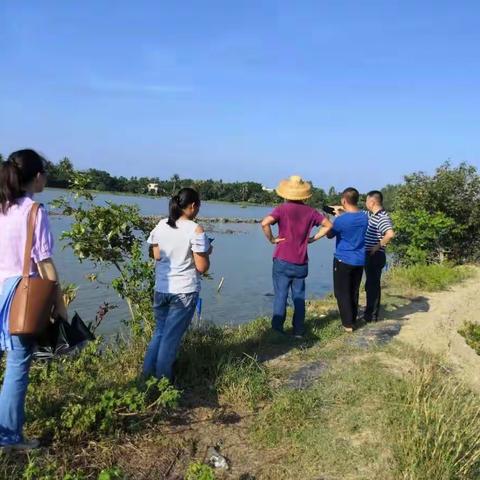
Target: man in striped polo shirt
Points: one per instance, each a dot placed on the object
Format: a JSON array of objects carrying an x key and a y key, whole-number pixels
[{"x": 379, "y": 233}]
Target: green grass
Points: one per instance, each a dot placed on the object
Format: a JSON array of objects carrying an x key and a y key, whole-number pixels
[
  {"x": 199, "y": 471},
  {"x": 243, "y": 382},
  {"x": 471, "y": 333},
  {"x": 426, "y": 277},
  {"x": 210, "y": 351},
  {"x": 362, "y": 419},
  {"x": 435, "y": 431},
  {"x": 370, "y": 420},
  {"x": 98, "y": 398},
  {"x": 331, "y": 429}
]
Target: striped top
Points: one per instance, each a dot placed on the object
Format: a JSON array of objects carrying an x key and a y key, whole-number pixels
[{"x": 378, "y": 225}]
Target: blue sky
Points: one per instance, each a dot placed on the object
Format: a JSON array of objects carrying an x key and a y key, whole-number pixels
[{"x": 343, "y": 92}]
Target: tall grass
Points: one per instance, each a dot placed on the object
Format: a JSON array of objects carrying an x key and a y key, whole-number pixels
[
  {"x": 427, "y": 277},
  {"x": 435, "y": 432},
  {"x": 243, "y": 381}
]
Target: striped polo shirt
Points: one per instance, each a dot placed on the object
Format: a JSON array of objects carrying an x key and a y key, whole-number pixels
[{"x": 378, "y": 225}]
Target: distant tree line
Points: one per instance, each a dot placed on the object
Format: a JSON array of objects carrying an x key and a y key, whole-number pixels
[
  {"x": 238, "y": 192},
  {"x": 436, "y": 217}
]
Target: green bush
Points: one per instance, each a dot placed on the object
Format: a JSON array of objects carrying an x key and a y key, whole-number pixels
[
  {"x": 38, "y": 469},
  {"x": 421, "y": 235},
  {"x": 107, "y": 410},
  {"x": 96, "y": 393},
  {"x": 438, "y": 216},
  {"x": 199, "y": 471},
  {"x": 111, "y": 474}
]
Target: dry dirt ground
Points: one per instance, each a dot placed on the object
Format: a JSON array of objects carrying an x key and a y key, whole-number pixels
[{"x": 436, "y": 330}]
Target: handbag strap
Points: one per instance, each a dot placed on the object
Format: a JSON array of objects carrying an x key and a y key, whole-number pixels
[{"x": 31, "y": 222}]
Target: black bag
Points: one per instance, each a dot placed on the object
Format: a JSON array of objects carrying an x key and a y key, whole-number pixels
[{"x": 62, "y": 338}]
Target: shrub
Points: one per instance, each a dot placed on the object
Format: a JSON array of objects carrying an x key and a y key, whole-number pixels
[
  {"x": 471, "y": 332},
  {"x": 111, "y": 474},
  {"x": 96, "y": 393},
  {"x": 421, "y": 235},
  {"x": 199, "y": 471},
  {"x": 438, "y": 215},
  {"x": 426, "y": 277}
]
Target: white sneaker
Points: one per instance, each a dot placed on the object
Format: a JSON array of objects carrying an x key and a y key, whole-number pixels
[{"x": 27, "y": 444}]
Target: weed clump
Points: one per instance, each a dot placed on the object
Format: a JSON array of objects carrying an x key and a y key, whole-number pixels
[
  {"x": 94, "y": 394},
  {"x": 435, "y": 431},
  {"x": 471, "y": 332},
  {"x": 428, "y": 278}
]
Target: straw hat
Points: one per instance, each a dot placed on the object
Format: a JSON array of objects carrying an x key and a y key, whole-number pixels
[{"x": 295, "y": 188}]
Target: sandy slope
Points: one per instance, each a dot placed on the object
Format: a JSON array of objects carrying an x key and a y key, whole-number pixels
[{"x": 436, "y": 330}]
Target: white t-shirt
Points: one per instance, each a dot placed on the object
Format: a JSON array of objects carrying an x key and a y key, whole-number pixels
[{"x": 175, "y": 272}]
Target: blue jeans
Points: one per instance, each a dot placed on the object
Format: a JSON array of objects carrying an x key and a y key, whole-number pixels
[
  {"x": 14, "y": 390},
  {"x": 173, "y": 314},
  {"x": 289, "y": 276}
]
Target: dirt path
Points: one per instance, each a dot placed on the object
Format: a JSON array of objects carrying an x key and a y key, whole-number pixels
[{"x": 436, "y": 329}]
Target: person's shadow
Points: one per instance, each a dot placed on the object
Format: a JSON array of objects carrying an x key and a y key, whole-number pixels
[
  {"x": 383, "y": 332},
  {"x": 405, "y": 310}
]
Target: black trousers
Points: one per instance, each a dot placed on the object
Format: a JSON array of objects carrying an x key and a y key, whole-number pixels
[
  {"x": 346, "y": 286},
  {"x": 373, "y": 270}
]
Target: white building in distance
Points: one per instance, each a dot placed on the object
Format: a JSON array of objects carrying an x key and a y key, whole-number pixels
[{"x": 152, "y": 188}]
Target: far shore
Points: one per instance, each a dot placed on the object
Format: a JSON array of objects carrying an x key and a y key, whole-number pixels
[{"x": 146, "y": 195}]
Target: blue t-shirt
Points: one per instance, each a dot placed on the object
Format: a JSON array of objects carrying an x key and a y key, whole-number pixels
[{"x": 350, "y": 229}]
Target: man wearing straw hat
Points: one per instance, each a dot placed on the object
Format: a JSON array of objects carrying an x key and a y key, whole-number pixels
[{"x": 290, "y": 259}]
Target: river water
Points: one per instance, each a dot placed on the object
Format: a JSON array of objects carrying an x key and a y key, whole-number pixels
[{"x": 243, "y": 258}]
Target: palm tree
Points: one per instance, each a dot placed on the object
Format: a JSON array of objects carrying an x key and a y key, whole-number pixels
[{"x": 175, "y": 178}]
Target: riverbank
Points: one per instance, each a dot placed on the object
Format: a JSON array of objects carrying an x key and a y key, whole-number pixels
[
  {"x": 207, "y": 220},
  {"x": 153, "y": 219},
  {"x": 331, "y": 406},
  {"x": 159, "y": 197}
]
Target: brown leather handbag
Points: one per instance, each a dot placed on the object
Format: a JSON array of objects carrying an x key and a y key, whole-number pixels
[{"x": 34, "y": 297}]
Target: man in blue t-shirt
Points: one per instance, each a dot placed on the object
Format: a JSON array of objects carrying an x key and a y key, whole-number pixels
[{"x": 349, "y": 259}]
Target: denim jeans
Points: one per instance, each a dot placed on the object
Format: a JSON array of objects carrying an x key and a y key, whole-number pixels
[
  {"x": 173, "y": 314},
  {"x": 289, "y": 276},
  {"x": 14, "y": 390}
]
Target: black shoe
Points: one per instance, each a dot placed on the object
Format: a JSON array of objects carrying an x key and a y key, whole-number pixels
[
  {"x": 299, "y": 336},
  {"x": 24, "y": 446}
]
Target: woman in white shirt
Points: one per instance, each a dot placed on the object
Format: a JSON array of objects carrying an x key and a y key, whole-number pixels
[{"x": 182, "y": 253}]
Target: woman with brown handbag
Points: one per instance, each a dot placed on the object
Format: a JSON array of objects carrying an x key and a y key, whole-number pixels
[{"x": 21, "y": 176}]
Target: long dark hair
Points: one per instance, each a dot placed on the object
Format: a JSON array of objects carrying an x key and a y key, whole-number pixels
[
  {"x": 184, "y": 198},
  {"x": 16, "y": 172}
]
